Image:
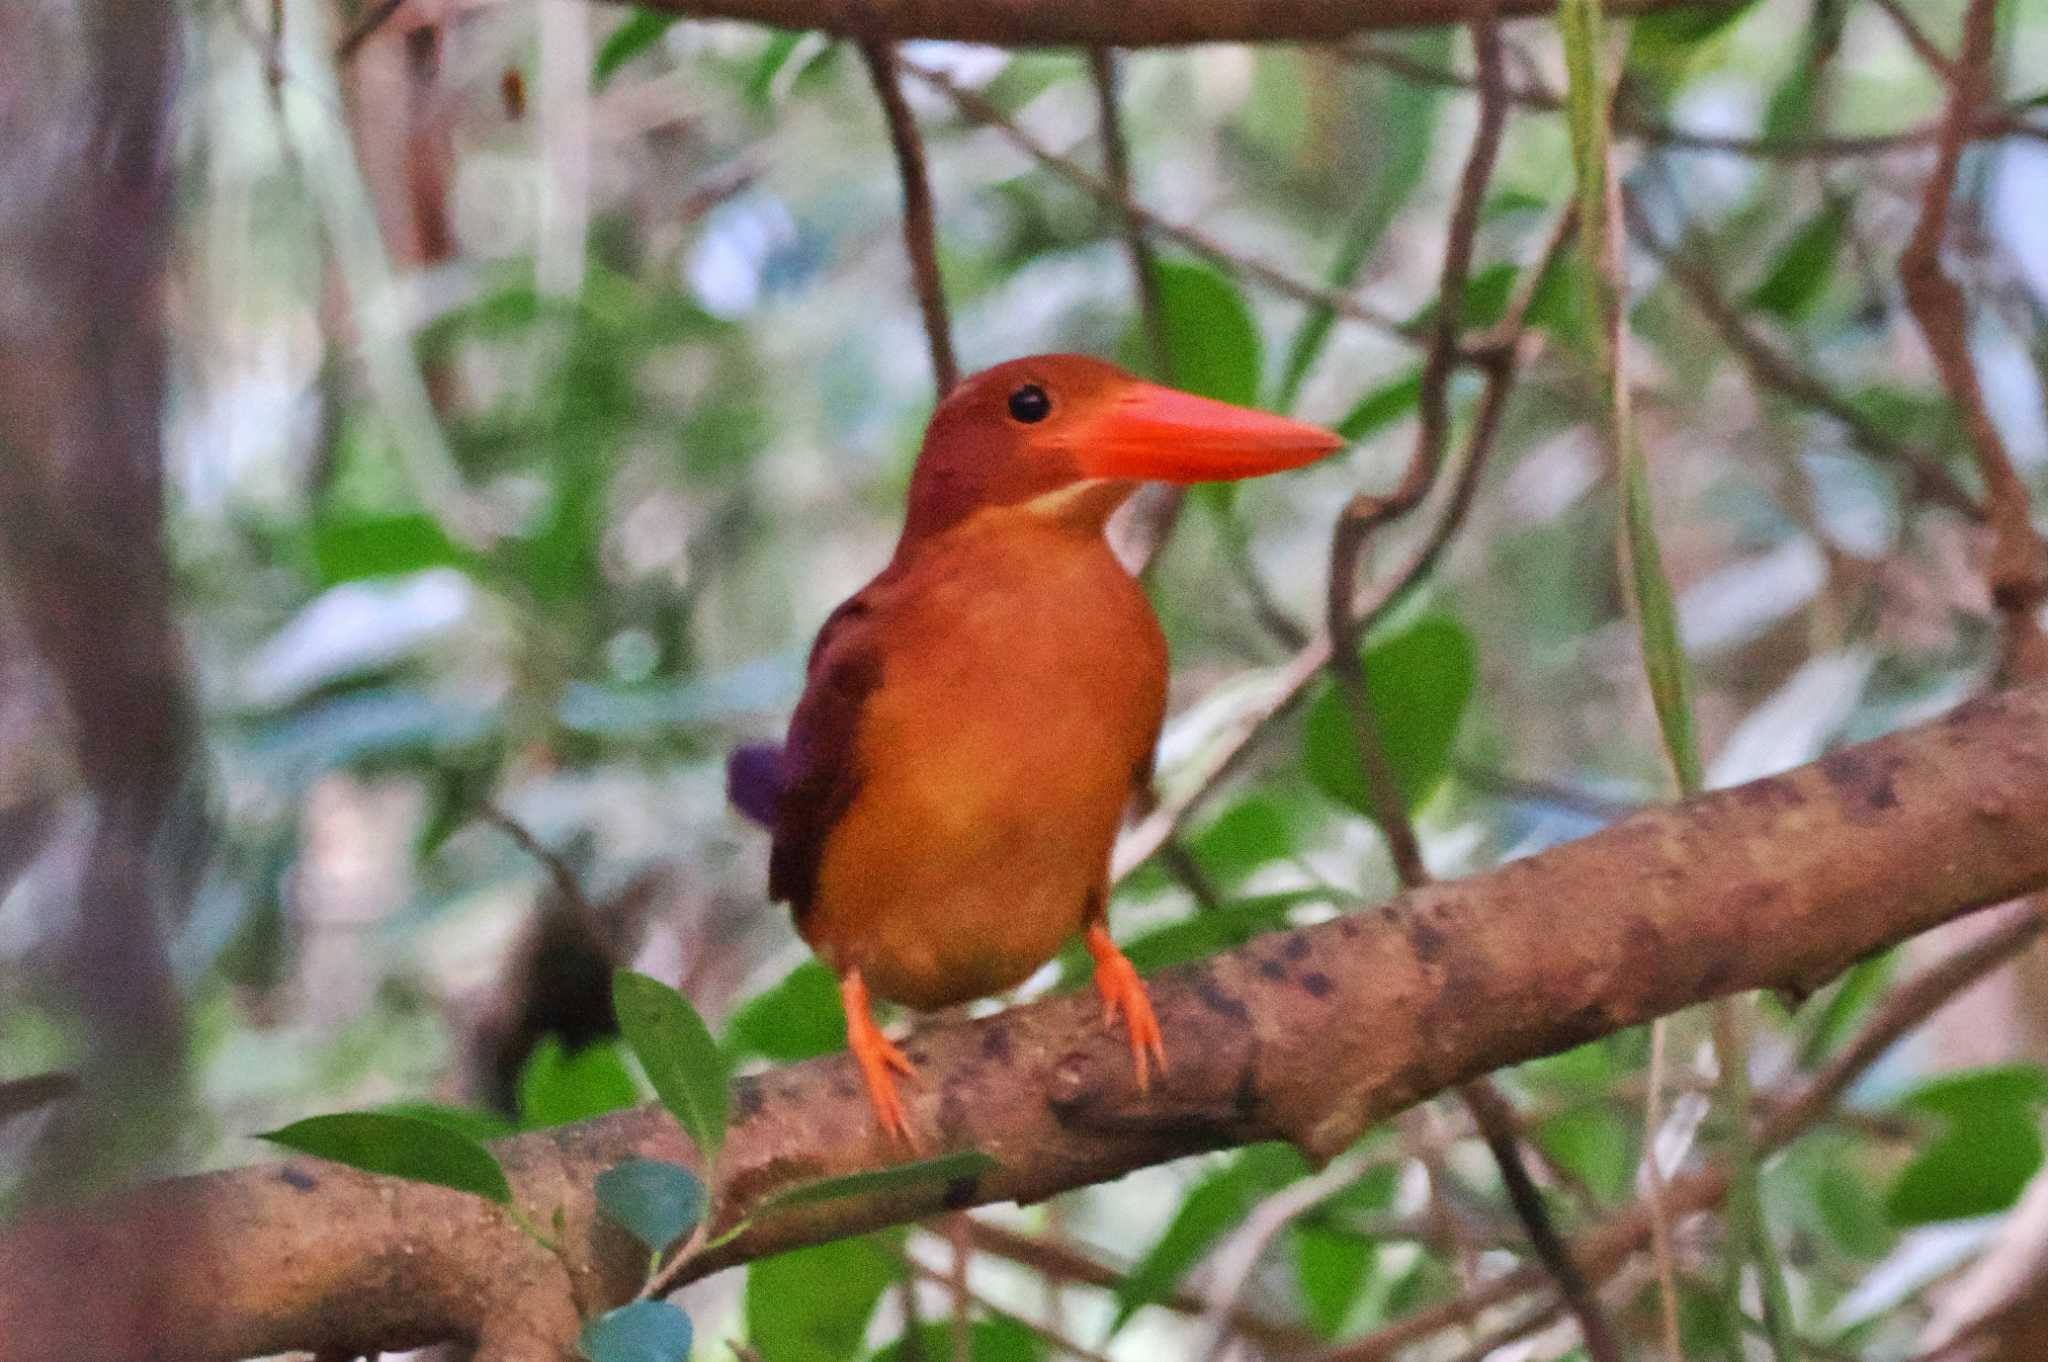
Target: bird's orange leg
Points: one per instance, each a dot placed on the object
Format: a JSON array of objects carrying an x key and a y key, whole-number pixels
[
  {"x": 876, "y": 1055},
  {"x": 1116, "y": 979}
]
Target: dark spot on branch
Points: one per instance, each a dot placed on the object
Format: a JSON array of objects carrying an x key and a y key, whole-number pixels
[
  {"x": 1297, "y": 946},
  {"x": 298, "y": 1179},
  {"x": 1317, "y": 984},
  {"x": 1774, "y": 793},
  {"x": 995, "y": 1044},
  {"x": 1348, "y": 928},
  {"x": 1272, "y": 969},
  {"x": 1863, "y": 779},
  {"x": 746, "y": 1101},
  {"x": 1425, "y": 940},
  {"x": 1219, "y": 1001}
]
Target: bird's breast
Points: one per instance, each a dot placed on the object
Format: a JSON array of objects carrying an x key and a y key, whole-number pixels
[{"x": 1022, "y": 688}]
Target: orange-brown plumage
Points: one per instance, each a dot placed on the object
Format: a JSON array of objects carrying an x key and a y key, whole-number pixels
[{"x": 976, "y": 718}]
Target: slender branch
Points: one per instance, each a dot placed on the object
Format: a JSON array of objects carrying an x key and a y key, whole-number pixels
[
  {"x": 364, "y": 28},
  {"x": 1499, "y": 351},
  {"x": 1064, "y": 1262},
  {"x": 558, "y": 870},
  {"x": 1634, "y": 126},
  {"x": 1917, "y": 39},
  {"x": 1129, "y": 23},
  {"x": 1116, "y": 167},
  {"x": 1772, "y": 367},
  {"x": 979, "y": 109},
  {"x": 920, "y": 239},
  {"x": 2018, "y": 571}
]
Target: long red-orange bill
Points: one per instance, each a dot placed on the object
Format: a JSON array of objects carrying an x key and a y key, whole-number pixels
[{"x": 1155, "y": 432}]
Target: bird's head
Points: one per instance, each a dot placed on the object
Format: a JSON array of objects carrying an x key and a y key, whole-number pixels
[{"x": 1068, "y": 434}]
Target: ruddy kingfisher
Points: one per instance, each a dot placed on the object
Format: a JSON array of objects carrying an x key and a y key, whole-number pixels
[{"x": 976, "y": 719}]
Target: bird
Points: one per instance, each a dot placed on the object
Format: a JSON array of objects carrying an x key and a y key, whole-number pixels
[{"x": 976, "y": 720}]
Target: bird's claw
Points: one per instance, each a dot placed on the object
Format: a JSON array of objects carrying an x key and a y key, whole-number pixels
[
  {"x": 879, "y": 1058},
  {"x": 1123, "y": 992}
]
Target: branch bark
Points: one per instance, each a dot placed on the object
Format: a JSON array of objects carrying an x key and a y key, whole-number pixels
[
  {"x": 1308, "y": 1035},
  {"x": 1131, "y": 23}
]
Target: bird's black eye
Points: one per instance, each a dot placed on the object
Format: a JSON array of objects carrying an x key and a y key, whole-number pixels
[{"x": 1029, "y": 404}]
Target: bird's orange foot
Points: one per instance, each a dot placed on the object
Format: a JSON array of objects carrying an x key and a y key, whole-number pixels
[
  {"x": 878, "y": 1057},
  {"x": 1116, "y": 979}
]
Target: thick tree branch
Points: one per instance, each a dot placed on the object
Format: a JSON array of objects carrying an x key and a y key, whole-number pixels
[
  {"x": 1129, "y": 23},
  {"x": 1308, "y": 1035}
]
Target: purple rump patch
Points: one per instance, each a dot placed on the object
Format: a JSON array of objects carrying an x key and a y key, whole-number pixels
[{"x": 753, "y": 780}]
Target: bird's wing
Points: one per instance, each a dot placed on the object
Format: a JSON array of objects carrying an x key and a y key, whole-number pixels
[{"x": 819, "y": 769}]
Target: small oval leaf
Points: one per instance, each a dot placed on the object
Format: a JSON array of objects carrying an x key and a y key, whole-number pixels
[
  {"x": 657, "y": 1203},
  {"x": 400, "y": 1147},
  {"x": 677, "y": 1051},
  {"x": 1418, "y": 682},
  {"x": 645, "y": 1331},
  {"x": 962, "y": 1164}
]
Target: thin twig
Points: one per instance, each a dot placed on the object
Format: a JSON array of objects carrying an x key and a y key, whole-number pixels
[
  {"x": 1917, "y": 39},
  {"x": 558, "y": 870},
  {"x": 1354, "y": 527},
  {"x": 1116, "y": 166},
  {"x": 1062, "y": 1343},
  {"x": 1499, "y": 351},
  {"x": 1062, "y": 1261},
  {"x": 1772, "y": 367},
  {"x": 920, "y": 239},
  {"x": 2018, "y": 572},
  {"x": 1365, "y": 513},
  {"x": 1234, "y": 1260},
  {"x": 364, "y": 28},
  {"x": 1997, "y": 123},
  {"x": 980, "y": 109}
]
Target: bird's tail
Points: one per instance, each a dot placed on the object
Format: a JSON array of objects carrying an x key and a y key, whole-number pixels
[{"x": 753, "y": 780}]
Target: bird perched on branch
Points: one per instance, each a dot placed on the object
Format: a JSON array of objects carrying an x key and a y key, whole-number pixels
[{"x": 977, "y": 717}]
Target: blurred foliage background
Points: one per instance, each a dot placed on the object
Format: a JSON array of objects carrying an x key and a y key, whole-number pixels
[{"x": 541, "y": 375}]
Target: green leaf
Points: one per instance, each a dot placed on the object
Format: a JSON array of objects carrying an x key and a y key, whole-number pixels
[
  {"x": 477, "y": 1124},
  {"x": 399, "y": 1147},
  {"x": 1828, "y": 1025},
  {"x": 988, "y": 1340},
  {"x": 1850, "y": 1211},
  {"x": 1209, "y": 329},
  {"x": 1206, "y": 1213},
  {"x": 1204, "y": 934},
  {"x": 629, "y": 40},
  {"x": 1593, "y": 1142},
  {"x": 797, "y": 1019},
  {"x": 1965, "y": 1095},
  {"x": 1255, "y": 831},
  {"x": 813, "y": 1305},
  {"x": 349, "y": 548},
  {"x": 1381, "y": 407},
  {"x": 1214, "y": 1206},
  {"x": 965, "y": 1165},
  {"x": 676, "y": 1049},
  {"x": 555, "y": 1089},
  {"x": 1977, "y": 1168},
  {"x": 1803, "y": 268},
  {"x": 1331, "y": 1267},
  {"x": 1418, "y": 682},
  {"x": 645, "y": 1331},
  {"x": 656, "y": 1202},
  {"x": 1990, "y": 1144}
]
